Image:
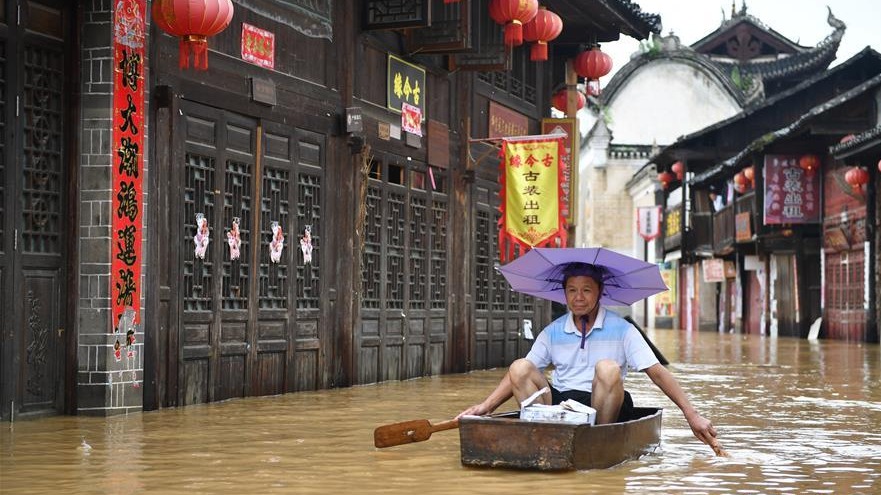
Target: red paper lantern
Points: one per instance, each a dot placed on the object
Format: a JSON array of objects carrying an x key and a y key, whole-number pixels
[
  {"x": 665, "y": 178},
  {"x": 741, "y": 183},
  {"x": 879, "y": 165},
  {"x": 193, "y": 21},
  {"x": 560, "y": 100},
  {"x": 749, "y": 174},
  {"x": 857, "y": 177},
  {"x": 809, "y": 163},
  {"x": 451, "y": 1},
  {"x": 679, "y": 169},
  {"x": 513, "y": 14},
  {"x": 544, "y": 27},
  {"x": 593, "y": 64}
]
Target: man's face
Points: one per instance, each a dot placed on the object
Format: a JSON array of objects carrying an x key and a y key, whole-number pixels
[{"x": 582, "y": 294}]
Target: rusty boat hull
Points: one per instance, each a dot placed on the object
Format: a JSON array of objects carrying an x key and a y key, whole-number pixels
[{"x": 506, "y": 441}]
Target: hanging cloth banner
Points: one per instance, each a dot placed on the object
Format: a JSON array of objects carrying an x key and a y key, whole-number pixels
[
  {"x": 531, "y": 194},
  {"x": 127, "y": 171},
  {"x": 648, "y": 222}
]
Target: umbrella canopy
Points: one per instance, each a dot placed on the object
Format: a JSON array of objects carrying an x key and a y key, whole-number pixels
[{"x": 626, "y": 280}]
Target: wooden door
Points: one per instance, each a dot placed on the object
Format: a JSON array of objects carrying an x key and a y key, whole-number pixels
[
  {"x": 499, "y": 313},
  {"x": 845, "y": 313},
  {"x": 33, "y": 185},
  {"x": 250, "y": 318},
  {"x": 403, "y": 329}
]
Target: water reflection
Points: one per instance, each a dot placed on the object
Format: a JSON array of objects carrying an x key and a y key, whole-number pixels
[{"x": 796, "y": 417}]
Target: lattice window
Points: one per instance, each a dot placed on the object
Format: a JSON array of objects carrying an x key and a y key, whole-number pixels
[
  {"x": 395, "y": 246},
  {"x": 42, "y": 142},
  {"x": 272, "y": 277},
  {"x": 237, "y": 202},
  {"x": 418, "y": 249},
  {"x": 386, "y": 14},
  {"x": 198, "y": 198},
  {"x": 2, "y": 144},
  {"x": 482, "y": 260},
  {"x": 520, "y": 82},
  {"x": 308, "y": 213},
  {"x": 500, "y": 287},
  {"x": 372, "y": 254},
  {"x": 438, "y": 255}
]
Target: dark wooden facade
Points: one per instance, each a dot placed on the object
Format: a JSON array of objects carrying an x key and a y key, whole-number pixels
[
  {"x": 402, "y": 281},
  {"x": 37, "y": 231}
]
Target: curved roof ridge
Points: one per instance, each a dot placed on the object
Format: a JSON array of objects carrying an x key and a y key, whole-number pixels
[{"x": 676, "y": 53}]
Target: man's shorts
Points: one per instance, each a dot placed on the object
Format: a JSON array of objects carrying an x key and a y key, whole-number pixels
[{"x": 584, "y": 397}]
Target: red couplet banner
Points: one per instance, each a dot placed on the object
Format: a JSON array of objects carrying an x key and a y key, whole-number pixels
[{"x": 128, "y": 161}]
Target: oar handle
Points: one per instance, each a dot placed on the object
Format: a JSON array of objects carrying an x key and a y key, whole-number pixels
[{"x": 445, "y": 425}]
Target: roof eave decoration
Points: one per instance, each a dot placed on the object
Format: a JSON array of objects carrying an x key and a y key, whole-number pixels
[
  {"x": 669, "y": 153},
  {"x": 861, "y": 142},
  {"x": 805, "y": 62},
  {"x": 764, "y": 141}
]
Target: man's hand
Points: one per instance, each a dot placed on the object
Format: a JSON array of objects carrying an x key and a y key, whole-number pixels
[
  {"x": 475, "y": 410},
  {"x": 704, "y": 430}
]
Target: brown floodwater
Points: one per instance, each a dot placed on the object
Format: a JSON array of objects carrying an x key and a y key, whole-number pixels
[{"x": 795, "y": 417}]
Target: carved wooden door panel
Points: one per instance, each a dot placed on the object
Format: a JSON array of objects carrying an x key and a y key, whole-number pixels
[
  {"x": 32, "y": 198},
  {"x": 251, "y": 312},
  {"x": 498, "y": 312}
]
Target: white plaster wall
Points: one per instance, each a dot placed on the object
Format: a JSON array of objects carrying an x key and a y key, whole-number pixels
[{"x": 666, "y": 99}]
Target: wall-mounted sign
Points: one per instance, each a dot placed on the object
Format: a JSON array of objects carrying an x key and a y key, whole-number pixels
[
  {"x": 714, "y": 270},
  {"x": 742, "y": 228},
  {"x": 384, "y": 130},
  {"x": 263, "y": 91},
  {"x": 504, "y": 122},
  {"x": 791, "y": 195},
  {"x": 568, "y": 162},
  {"x": 411, "y": 119},
  {"x": 438, "y": 144},
  {"x": 258, "y": 46},
  {"x": 354, "y": 122},
  {"x": 405, "y": 84}
]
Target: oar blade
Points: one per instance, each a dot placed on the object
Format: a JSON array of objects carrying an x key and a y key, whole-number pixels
[{"x": 417, "y": 430}]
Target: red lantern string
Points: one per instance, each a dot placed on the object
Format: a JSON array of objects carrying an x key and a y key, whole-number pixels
[
  {"x": 560, "y": 100},
  {"x": 192, "y": 21},
  {"x": 679, "y": 169},
  {"x": 593, "y": 64},
  {"x": 544, "y": 27},
  {"x": 809, "y": 163},
  {"x": 857, "y": 177},
  {"x": 665, "y": 178},
  {"x": 513, "y": 14}
]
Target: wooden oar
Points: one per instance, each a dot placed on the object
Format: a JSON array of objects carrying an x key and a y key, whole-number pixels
[
  {"x": 417, "y": 430},
  {"x": 718, "y": 450}
]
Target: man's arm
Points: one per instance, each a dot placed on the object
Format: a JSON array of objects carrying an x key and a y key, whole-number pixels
[
  {"x": 701, "y": 427},
  {"x": 498, "y": 397}
]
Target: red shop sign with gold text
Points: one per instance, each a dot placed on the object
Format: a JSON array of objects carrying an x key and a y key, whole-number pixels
[
  {"x": 531, "y": 194},
  {"x": 128, "y": 160},
  {"x": 258, "y": 46}
]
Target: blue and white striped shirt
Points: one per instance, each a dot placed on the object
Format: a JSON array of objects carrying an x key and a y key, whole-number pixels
[{"x": 611, "y": 337}]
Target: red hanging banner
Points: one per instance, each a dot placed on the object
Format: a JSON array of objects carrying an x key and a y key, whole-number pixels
[
  {"x": 128, "y": 161},
  {"x": 531, "y": 194}
]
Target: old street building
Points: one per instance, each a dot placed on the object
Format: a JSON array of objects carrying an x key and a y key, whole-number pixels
[
  {"x": 668, "y": 90},
  {"x": 272, "y": 221},
  {"x": 776, "y": 226}
]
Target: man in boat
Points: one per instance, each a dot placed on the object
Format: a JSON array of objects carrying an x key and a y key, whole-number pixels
[{"x": 591, "y": 349}]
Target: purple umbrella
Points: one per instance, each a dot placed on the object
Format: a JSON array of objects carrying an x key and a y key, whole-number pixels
[{"x": 626, "y": 280}]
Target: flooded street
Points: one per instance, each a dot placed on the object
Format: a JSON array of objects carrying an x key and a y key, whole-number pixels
[{"x": 796, "y": 417}]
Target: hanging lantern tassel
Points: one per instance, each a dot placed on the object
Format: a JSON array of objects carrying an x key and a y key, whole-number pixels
[{"x": 197, "y": 46}]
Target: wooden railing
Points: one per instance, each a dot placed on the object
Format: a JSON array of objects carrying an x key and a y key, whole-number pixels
[
  {"x": 700, "y": 237},
  {"x": 723, "y": 230}
]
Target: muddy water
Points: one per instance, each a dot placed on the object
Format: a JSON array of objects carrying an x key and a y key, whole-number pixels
[{"x": 796, "y": 417}]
